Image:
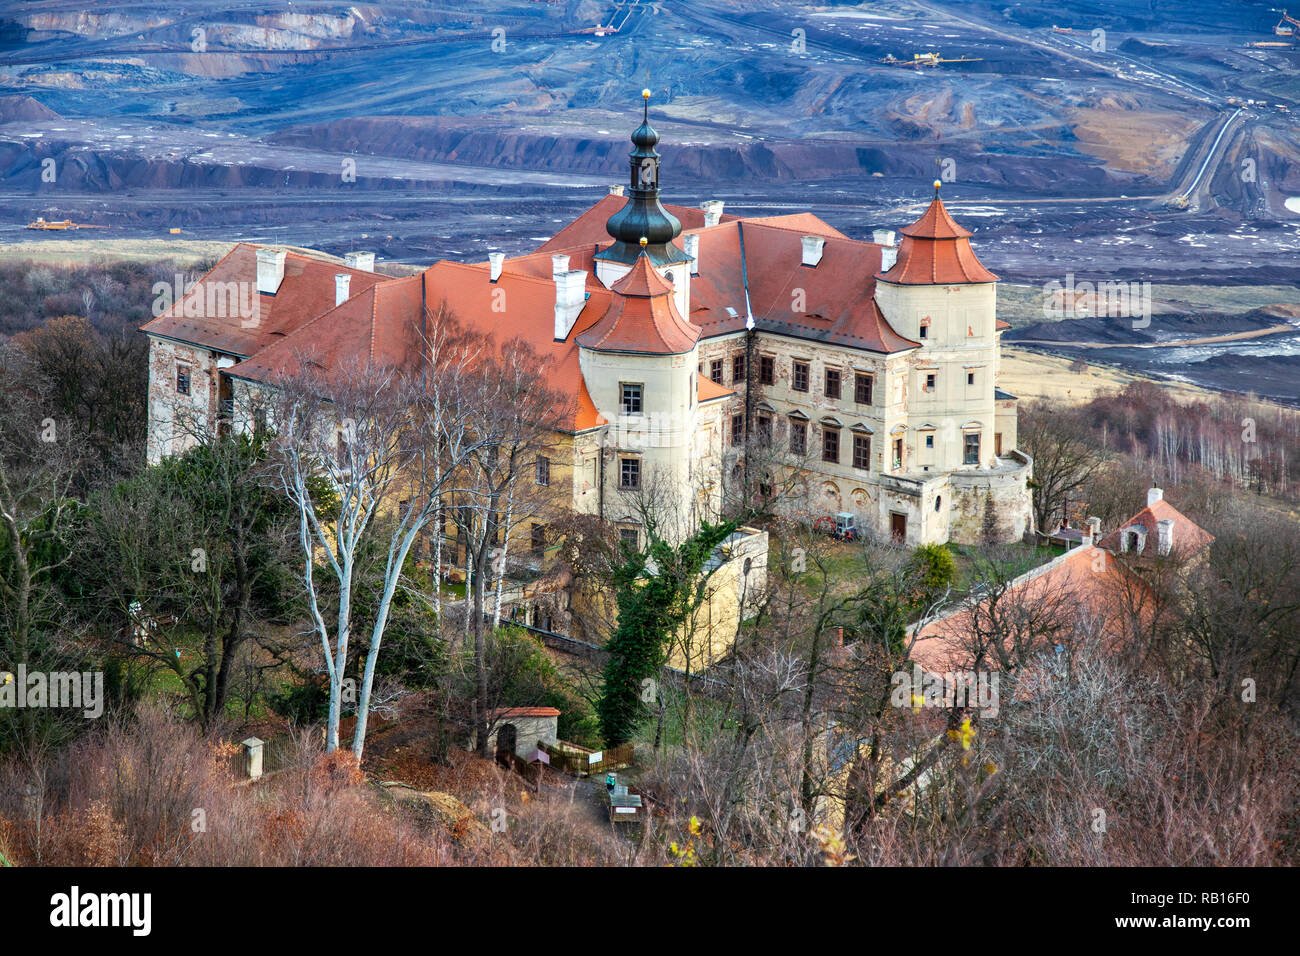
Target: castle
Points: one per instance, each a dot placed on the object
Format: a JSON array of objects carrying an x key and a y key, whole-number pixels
[{"x": 686, "y": 339}]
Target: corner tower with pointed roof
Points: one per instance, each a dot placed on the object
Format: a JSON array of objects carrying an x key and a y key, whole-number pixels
[
  {"x": 639, "y": 360},
  {"x": 940, "y": 295}
]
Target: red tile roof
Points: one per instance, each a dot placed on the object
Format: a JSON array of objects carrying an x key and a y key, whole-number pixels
[
  {"x": 1189, "y": 537},
  {"x": 936, "y": 251},
  {"x": 500, "y": 712},
  {"x": 589, "y": 228},
  {"x": 831, "y": 302},
  {"x": 642, "y": 317},
  {"x": 380, "y": 325},
  {"x": 306, "y": 292},
  {"x": 1083, "y": 581},
  {"x": 707, "y": 390}
]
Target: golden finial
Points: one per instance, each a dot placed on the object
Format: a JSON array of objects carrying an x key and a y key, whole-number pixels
[
  {"x": 645, "y": 94},
  {"x": 644, "y": 242},
  {"x": 937, "y": 184}
]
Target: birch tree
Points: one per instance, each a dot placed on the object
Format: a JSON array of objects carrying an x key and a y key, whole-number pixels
[{"x": 356, "y": 443}]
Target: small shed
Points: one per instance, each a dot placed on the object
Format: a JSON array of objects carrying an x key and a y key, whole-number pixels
[{"x": 519, "y": 730}]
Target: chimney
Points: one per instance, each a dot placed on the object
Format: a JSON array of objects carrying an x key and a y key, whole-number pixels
[
  {"x": 570, "y": 295},
  {"x": 341, "y": 282},
  {"x": 497, "y": 261},
  {"x": 712, "y": 212},
  {"x": 691, "y": 243},
  {"x": 888, "y": 251},
  {"x": 812, "y": 250},
  {"x": 1164, "y": 536},
  {"x": 1154, "y": 495},
  {"x": 270, "y": 270},
  {"x": 616, "y": 190},
  {"x": 365, "y": 261},
  {"x": 1094, "y": 528}
]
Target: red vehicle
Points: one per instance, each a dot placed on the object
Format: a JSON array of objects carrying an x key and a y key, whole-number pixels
[{"x": 841, "y": 526}]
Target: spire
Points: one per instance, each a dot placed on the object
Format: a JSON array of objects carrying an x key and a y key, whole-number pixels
[
  {"x": 642, "y": 316},
  {"x": 642, "y": 216},
  {"x": 936, "y": 251}
]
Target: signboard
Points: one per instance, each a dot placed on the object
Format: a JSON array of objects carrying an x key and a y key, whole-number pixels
[
  {"x": 543, "y": 756},
  {"x": 596, "y": 757},
  {"x": 625, "y": 809}
]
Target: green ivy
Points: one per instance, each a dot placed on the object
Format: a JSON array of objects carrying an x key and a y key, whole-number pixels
[{"x": 657, "y": 591}]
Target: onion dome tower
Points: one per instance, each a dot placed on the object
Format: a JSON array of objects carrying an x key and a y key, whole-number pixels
[{"x": 643, "y": 215}]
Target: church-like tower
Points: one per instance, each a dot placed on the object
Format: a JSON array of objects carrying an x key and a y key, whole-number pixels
[{"x": 644, "y": 217}]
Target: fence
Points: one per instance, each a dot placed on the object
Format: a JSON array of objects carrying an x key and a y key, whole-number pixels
[{"x": 574, "y": 759}]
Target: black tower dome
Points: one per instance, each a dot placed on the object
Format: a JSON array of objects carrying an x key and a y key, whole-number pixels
[{"x": 642, "y": 216}]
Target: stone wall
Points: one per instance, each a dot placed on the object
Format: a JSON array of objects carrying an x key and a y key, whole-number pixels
[
  {"x": 1010, "y": 495},
  {"x": 174, "y": 417}
]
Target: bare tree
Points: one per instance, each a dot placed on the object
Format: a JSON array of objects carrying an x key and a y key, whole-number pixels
[
  {"x": 1064, "y": 458},
  {"x": 357, "y": 442},
  {"x": 500, "y": 483}
]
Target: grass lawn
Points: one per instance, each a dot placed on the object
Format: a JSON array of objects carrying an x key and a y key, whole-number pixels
[{"x": 848, "y": 564}]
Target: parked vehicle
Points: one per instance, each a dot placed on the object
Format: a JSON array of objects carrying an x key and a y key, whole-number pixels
[{"x": 841, "y": 526}]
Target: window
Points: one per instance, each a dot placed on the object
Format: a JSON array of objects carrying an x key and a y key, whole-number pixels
[
  {"x": 765, "y": 430},
  {"x": 800, "y": 381},
  {"x": 929, "y": 441},
  {"x": 738, "y": 368},
  {"x": 182, "y": 379},
  {"x": 538, "y": 538},
  {"x": 628, "y": 536},
  {"x": 970, "y": 378},
  {"x": 830, "y": 444},
  {"x": 766, "y": 370},
  {"x": 862, "y": 452},
  {"x": 973, "y": 448},
  {"x": 737, "y": 429},
  {"x": 715, "y": 371},
  {"x": 862, "y": 389},
  {"x": 925, "y": 330},
  {"x": 543, "y": 470},
  {"x": 690, "y": 391},
  {"x": 832, "y": 383},
  {"x": 629, "y": 472},
  {"x": 631, "y": 399},
  {"x": 938, "y": 501},
  {"x": 931, "y": 379},
  {"x": 798, "y": 437},
  {"x": 997, "y": 443},
  {"x": 898, "y": 453}
]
